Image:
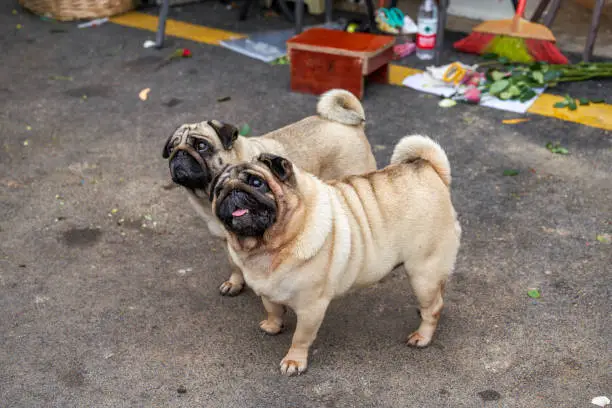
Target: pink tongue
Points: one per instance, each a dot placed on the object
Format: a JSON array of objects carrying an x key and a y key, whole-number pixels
[{"x": 240, "y": 212}]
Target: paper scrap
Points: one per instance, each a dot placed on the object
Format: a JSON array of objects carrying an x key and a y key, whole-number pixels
[{"x": 144, "y": 94}]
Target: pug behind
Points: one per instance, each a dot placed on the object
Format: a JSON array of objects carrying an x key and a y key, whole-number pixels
[
  {"x": 301, "y": 242},
  {"x": 331, "y": 144}
]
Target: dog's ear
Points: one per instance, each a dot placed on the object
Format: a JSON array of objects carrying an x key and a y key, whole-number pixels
[
  {"x": 227, "y": 133},
  {"x": 166, "y": 151},
  {"x": 279, "y": 166}
]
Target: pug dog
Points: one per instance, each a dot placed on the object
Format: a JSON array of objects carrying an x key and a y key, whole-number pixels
[
  {"x": 302, "y": 242},
  {"x": 331, "y": 144}
]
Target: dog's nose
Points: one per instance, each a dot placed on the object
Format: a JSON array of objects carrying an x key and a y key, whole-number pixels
[{"x": 180, "y": 175}]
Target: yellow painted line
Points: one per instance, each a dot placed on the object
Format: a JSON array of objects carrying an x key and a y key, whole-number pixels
[
  {"x": 397, "y": 73},
  {"x": 595, "y": 115},
  {"x": 176, "y": 28}
]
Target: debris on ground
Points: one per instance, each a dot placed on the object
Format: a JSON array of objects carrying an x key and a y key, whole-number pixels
[
  {"x": 26, "y": 142},
  {"x": 224, "y": 99},
  {"x": 556, "y": 148},
  {"x": 245, "y": 130},
  {"x": 604, "y": 238},
  {"x": 19, "y": 26},
  {"x": 144, "y": 94},
  {"x": 181, "y": 389},
  {"x": 511, "y": 172},
  {"x": 447, "y": 103},
  {"x": 149, "y": 44},
  {"x": 378, "y": 147},
  {"x": 601, "y": 401},
  {"x": 534, "y": 293},
  {"x": 61, "y": 78},
  {"x": 515, "y": 121},
  {"x": 284, "y": 60},
  {"x": 93, "y": 23}
]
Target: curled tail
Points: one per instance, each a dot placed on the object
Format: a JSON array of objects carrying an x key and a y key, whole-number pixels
[
  {"x": 421, "y": 147},
  {"x": 341, "y": 106}
]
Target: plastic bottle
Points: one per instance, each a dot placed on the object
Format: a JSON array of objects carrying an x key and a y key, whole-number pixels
[{"x": 427, "y": 22}]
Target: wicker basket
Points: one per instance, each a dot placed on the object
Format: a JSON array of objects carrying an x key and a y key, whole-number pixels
[{"x": 77, "y": 9}]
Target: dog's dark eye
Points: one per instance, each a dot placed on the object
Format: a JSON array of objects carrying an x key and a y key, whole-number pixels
[
  {"x": 257, "y": 182},
  {"x": 202, "y": 146}
]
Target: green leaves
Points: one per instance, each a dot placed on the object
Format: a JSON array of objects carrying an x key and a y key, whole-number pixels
[
  {"x": 556, "y": 148},
  {"x": 538, "y": 76},
  {"x": 499, "y": 86},
  {"x": 534, "y": 293},
  {"x": 572, "y": 103},
  {"x": 511, "y": 172},
  {"x": 245, "y": 130}
]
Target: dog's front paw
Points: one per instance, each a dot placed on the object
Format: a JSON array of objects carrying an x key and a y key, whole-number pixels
[
  {"x": 271, "y": 327},
  {"x": 295, "y": 362},
  {"x": 228, "y": 288},
  {"x": 416, "y": 339},
  {"x": 293, "y": 367}
]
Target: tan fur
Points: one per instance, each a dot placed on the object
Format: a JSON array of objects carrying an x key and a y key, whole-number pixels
[
  {"x": 329, "y": 145},
  {"x": 330, "y": 238}
]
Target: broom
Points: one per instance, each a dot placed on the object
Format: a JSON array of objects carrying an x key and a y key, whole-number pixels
[{"x": 516, "y": 39}]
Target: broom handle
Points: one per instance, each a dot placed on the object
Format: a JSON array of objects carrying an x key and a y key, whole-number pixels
[{"x": 518, "y": 16}]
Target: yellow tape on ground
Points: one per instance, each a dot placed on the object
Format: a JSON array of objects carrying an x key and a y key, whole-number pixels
[
  {"x": 596, "y": 115},
  {"x": 176, "y": 28}
]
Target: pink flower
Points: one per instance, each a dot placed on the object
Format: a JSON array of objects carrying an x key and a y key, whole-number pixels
[{"x": 472, "y": 95}]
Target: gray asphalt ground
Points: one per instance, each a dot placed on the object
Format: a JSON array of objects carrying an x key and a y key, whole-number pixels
[{"x": 108, "y": 282}]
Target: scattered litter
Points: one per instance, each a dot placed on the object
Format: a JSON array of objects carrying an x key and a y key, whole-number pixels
[
  {"x": 58, "y": 197},
  {"x": 14, "y": 12},
  {"x": 26, "y": 142},
  {"x": 534, "y": 293},
  {"x": 19, "y": 26},
  {"x": 12, "y": 184},
  {"x": 284, "y": 60},
  {"x": 604, "y": 238},
  {"x": 378, "y": 148},
  {"x": 184, "y": 271},
  {"x": 46, "y": 18},
  {"x": 147, "y": 217},
  {"x": 403, "y": 50},
  {"x": 447, "y": 103},
  {"x": 43, "y": 299},
  {"x": 181, "y": 389},
  {"x": 93, "y": 23},
  {"x": 511, "y": 172},
  {"x": 28, "y": 127},
  {"x": 224, "y": 99},
  {"x": 114, "y": 211},
  {"x": 245, "y": 130},
  {"x": 556, "y": 148},
  {"x": 149, "y": 44},
  {"x": 601, "y": 401},
  {"x": 84, "y": 97},
  {"x": 108, "y": 355},
  {"x": 61, "y": 78},
  {"x": 144, "y": 94},
  {"x": 515, "y": 121}
]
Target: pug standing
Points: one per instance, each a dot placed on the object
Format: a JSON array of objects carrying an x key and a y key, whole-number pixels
[
  {"x": 329, "y": 145},
  {"x": 301, "y": 242}
]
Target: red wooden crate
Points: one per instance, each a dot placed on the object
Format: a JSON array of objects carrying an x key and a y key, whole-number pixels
[{"x": 323, "y": 59}]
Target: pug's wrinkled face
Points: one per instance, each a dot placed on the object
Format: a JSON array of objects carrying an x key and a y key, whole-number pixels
[
  {"x": 198, "y": 152},
  {"x": 247, "y": 197}
]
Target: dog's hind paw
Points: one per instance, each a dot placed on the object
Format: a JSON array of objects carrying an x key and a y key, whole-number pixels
[
  {"x": 270, "y": 327},
  {"x": 228, "y": 288},
  {"x": 416, "y": 339}
]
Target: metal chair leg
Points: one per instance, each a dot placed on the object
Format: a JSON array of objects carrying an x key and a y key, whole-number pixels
[
  {"x": 329, "y": 6},
  {"x": 161, "y": 25},
  {"x": 549, "y": 17},
  {"x": 540, "y": 10},
  {"x": 299, "y": 16},
  {"x": 441, "y": 26},
  {"x": 588, "y": 50}
]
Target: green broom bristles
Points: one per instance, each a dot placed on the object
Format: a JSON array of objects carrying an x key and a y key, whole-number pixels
[{"x": 510, "y": 47}]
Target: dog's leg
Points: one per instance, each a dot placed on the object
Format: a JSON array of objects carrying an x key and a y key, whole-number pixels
[
  {"x": 429, "y": 292},
  {"x": 309, "y": 319},
  {"x": 274, "y": 323},
  {"x": 234, "y": 284}
]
